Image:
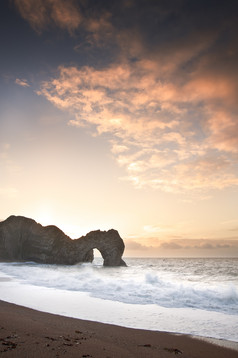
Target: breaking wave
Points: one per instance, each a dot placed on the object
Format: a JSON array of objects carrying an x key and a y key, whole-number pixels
[{"x": 166, "y": 283}]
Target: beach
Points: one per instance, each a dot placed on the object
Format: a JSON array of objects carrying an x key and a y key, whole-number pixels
[
  {"x": 29, "y": 333},
  {"x": 149, "y": 294}
]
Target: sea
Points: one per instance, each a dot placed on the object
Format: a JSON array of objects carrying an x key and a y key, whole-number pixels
[{"x": 195, "y": 296}]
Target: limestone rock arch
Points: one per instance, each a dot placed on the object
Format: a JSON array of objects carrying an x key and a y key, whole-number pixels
[
  {"x": 109, "y": 243},
  {"x": 23, "y": 239}
]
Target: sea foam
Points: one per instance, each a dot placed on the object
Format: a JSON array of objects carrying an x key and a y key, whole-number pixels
[
  {"x": 151, "y": 294},
  {"x": 128, "y": 286}
]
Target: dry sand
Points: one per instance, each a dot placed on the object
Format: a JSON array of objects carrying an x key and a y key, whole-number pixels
[{"x": 31, "y": 334}]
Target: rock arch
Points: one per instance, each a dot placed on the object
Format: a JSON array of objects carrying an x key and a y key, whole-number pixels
[
  {"x": 23, "y": 239},
  {"x": 109, "y": 243}
]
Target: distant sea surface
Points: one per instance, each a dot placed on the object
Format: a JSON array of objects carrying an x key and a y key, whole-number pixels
[{"x": 183, "y": 295}]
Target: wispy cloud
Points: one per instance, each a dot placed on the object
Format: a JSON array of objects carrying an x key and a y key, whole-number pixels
[{"x": 22, "y": 82}]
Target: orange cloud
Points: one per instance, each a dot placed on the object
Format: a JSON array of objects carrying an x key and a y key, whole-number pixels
[
  {"x": 152, "y": 133},
  {"x": 206, "y": 88},
  {"x": 41, "y": 13},
  {"x": 34, "y": 13},
  {"x": 223, "y": 127},
  {"x": 183, "y": 247},
  {"x": 66, "y": 15},
  {"x": 168, "y": 102},
  {"x": 22, "y": 82},
  {"x": 134, "y": 245}
]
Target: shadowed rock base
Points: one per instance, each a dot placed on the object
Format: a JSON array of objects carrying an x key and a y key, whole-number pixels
[{"x": 23, "y": 239}]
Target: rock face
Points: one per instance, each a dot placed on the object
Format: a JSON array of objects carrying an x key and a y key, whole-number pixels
[{"x": 22, "y": 239}]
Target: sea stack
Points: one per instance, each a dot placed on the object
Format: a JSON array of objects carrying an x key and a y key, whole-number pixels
[{"x": 23, "y": 239}]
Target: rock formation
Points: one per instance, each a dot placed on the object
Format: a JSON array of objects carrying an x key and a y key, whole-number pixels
[{"x": 22, "y": 239}]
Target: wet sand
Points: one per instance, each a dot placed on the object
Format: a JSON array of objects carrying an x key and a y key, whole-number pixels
[{"x": 31, "y": 334}]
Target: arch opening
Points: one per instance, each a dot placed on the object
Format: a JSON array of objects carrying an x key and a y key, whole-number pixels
[{"x": 97, "y": 258}]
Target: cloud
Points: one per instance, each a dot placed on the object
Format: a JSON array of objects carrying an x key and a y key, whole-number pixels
[
  {"x": 22, "y": 82},
  {"x": 211, "y": 246},
  {"x": 183, "y": 247},
  {"x": 69, "y": 15},
  {"x": 42, "y": 13},
  {"x": 170, "y": 246},
  {"x": 224, "y": 131},
  {"x": 165, "y": 135},
  {"x": 164, "y": 89},
  {"x": 134, "y": 245}
]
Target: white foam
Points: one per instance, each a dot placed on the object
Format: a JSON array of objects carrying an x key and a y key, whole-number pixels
[
  {"x": 153, "y": 317},
  {"x": 127, "y": 285},
  {"x": 150, "y": 294}
]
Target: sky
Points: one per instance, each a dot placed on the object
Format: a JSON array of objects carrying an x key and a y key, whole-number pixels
[{"x": 123, "y": 114}]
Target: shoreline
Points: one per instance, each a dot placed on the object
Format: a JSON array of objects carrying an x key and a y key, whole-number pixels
[
  {"x": 148, "y": 317},
  {"x": 25, "y": 332}
]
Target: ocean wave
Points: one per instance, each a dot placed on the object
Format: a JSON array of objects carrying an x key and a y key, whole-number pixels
[{"x": 130, "y": 285}]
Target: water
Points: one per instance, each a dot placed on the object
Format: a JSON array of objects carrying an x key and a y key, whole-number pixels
[{"x": 194, "y": 296}]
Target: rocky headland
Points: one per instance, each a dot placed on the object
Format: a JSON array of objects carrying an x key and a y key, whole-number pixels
[{"x": 23, "y": 239}]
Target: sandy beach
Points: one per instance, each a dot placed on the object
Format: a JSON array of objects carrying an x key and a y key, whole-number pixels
[{"x": 28, "y": 333}]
